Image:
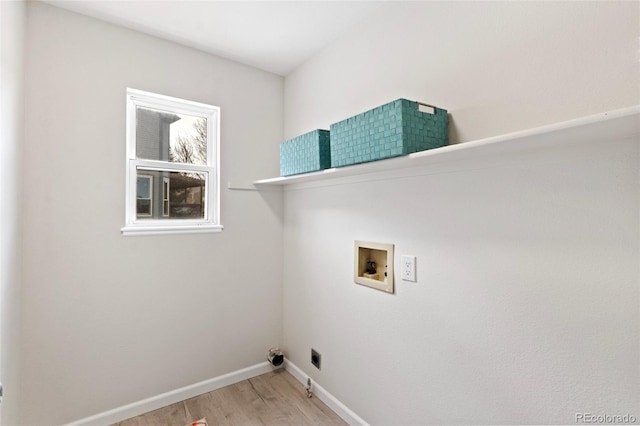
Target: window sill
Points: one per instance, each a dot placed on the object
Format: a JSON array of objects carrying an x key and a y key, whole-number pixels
[{"x": 130, "y": 230}]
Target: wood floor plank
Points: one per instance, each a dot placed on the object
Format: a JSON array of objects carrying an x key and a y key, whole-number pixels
[
  {"x": 293, "y": 395},
  {"x": 170, "y": 415},
  {"x": 274, "y": 398},
  {"x": 204, "y": 406},
  {"x": 276, "y": 410},
  {"x": 332, "y": 417}
]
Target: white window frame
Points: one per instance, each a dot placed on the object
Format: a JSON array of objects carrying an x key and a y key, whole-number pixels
[
  {"x": 150, "y": 179},
  {"x": 211, "y": 220}
]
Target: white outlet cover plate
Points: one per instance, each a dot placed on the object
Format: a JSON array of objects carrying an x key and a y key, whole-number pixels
[{"x": 408, "y": 268}]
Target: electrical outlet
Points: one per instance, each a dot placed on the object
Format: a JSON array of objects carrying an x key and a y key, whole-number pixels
[
  {"x": 408, "y": 268},
  {"x": 315, "y": 358}
]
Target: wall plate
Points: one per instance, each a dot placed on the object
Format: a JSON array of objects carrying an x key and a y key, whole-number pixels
[{"x": 408, "y": 267}]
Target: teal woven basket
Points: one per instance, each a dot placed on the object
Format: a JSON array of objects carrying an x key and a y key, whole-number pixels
[
  {"x": 394, "y": 129},
  {"x": 305, "y": 153}
]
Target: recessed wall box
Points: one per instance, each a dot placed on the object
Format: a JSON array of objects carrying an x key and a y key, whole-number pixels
[{"x": 374, "y": 265}]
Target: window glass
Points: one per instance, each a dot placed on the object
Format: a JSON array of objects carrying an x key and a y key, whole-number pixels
[
  {"x": 183, "y": 195},
  {"x": 144, "y": 196},
  {"x": 167, "y": 136}
]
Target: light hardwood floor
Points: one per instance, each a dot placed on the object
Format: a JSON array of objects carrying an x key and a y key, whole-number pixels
[{"x": 274, "y": 398}]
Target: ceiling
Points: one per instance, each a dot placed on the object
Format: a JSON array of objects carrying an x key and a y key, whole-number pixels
[{"x": 276, "y": 36}]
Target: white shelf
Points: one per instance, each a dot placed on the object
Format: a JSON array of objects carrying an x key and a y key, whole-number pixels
[{"x": 622, "y": 123}]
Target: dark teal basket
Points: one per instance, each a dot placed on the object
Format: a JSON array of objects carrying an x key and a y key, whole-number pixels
[
  {"x": 305, "y": 153},
  {"x": 394, "y": 129}
]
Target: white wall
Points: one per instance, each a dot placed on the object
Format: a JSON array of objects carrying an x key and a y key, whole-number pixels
[
  {"x": 109, "y": 320},
  {"x": 12, "y": 27},
  {"x": 497, "y": 67},
  {"x": 526, "y": 305}
]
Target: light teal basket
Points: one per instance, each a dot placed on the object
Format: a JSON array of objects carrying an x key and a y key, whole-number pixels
[
  {"x": 305, "y": 153},
  {"x": 394, "y": 129}
]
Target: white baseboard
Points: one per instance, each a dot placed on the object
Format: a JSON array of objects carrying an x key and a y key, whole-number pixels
[
  {"x": 168, "y": 398},
  {"x": 318, "y": 391}
]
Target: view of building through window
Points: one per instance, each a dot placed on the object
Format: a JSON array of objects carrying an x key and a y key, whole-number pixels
[{"x": 176, "y": 138}]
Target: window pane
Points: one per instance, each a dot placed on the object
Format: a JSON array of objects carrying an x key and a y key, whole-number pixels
[
  {"x": 143, "y": 184},
  {"x": 144, "y": 195},
  {"x": 168, "y": 136},
  {"x": 179, "y": 195},
  {"x": 143, "y": 207}
]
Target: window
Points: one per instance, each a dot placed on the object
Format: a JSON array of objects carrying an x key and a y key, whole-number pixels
[
  {"x": 172, "y": 165},
  {"x": 165, "y": 197},
  {"x": 144, "y": 197}
]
